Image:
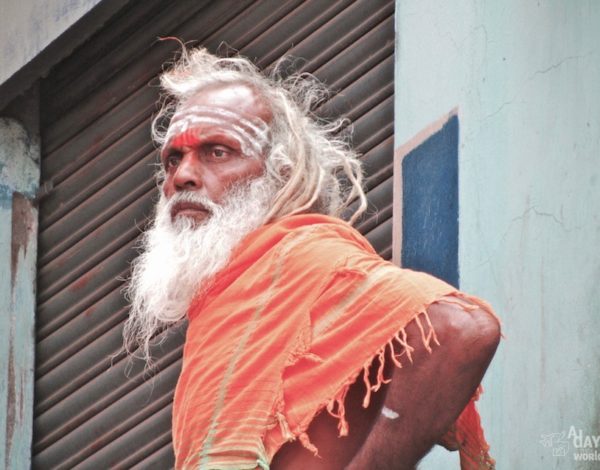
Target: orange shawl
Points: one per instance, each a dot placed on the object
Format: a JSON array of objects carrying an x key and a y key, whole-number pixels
[{"x": 302, "y": 309}]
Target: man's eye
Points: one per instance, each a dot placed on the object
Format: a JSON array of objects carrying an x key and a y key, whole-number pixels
[
  {"x": 172, "y": 161},
  {"x": 219, "y": 153}
]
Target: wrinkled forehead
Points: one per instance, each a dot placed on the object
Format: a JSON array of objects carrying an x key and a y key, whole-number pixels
[
  {"x": 217, "y": 117},
  {"x": 251, "y": 132}
]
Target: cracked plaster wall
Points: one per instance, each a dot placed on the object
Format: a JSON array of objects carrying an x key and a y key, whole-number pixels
[
  {"x": 28, "y": 26},
  {"x": 525, "y": 77}
]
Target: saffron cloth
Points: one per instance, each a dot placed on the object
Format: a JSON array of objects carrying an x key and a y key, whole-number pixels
[{"x": 300, "y": 312}]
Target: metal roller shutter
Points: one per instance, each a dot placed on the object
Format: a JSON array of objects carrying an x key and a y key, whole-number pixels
[{"x": 96, "y": 169}]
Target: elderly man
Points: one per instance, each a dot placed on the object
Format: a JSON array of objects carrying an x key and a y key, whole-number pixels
[{"x": 304, "y": 349}]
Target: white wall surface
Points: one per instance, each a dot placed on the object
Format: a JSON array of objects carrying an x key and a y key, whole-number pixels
[
  {"x": 28, "y": 26},
  {"x": 525, "y": 76}
]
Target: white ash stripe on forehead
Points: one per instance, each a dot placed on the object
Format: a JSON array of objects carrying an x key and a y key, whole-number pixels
[
  {"x": 251, "y": 145},
  {"x": 257, "y": 125},
  {"x": 197, "y": 119}
]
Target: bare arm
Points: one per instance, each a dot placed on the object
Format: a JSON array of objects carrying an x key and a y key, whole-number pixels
[{"x": 426, "y": 398}]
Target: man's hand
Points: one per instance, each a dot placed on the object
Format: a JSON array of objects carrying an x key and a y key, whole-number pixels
[{"x": 425, "y": 398}]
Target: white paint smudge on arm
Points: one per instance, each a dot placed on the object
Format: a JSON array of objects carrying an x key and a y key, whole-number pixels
[{"x": 389, "y": 413}]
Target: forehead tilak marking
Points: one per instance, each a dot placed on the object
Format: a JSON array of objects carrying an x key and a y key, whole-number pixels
[
  {"x": 258, "y": 142},
  {"x": 249, "y": 145},
  {"x": 259, "y": 127},
  {"x": 258, "y": 137}
]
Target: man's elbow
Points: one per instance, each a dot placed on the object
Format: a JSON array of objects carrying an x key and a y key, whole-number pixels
[
  {"x": 484, "y": 333},
  {"x": 472, "y": 334}
]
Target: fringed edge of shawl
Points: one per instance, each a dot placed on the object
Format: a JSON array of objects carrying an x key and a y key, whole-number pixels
[{"x": 466, "y": 434}]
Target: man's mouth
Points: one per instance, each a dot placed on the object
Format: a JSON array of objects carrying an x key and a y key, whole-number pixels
[{"x": 189, "y": 209}]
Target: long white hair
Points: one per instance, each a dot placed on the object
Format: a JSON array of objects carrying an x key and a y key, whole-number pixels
[
  {"x": 309, "y": 168},
  {"x": 310, "y": 157}
]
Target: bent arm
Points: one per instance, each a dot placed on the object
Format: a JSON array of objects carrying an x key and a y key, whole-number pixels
[{"x": 425, "y": 398}]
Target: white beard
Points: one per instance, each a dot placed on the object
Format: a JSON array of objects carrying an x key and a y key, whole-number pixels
[{"x": 180, "y": 258}]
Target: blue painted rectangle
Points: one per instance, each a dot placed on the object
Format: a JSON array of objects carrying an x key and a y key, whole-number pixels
[{"x": 430, "y": 205}]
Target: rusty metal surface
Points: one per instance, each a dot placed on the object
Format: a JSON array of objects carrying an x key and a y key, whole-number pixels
[{"x": 97, "y": 162}]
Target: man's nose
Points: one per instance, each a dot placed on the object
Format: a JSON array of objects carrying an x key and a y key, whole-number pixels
[{"x": 188, "y": 176}]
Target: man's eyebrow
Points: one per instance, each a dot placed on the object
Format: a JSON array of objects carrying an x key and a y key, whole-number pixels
[{"x": 164, "y": 151}]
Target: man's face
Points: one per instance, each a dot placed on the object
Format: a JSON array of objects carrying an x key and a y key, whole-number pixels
[{"x": 216, "y": 139}]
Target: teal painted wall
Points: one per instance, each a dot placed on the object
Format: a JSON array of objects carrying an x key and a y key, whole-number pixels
[
  {"x": 525, "y": 77},
  {"x": 19, "y": 180}
]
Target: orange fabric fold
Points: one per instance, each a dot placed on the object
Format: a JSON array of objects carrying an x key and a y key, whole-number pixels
[{"x": 302, "y": 309}]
